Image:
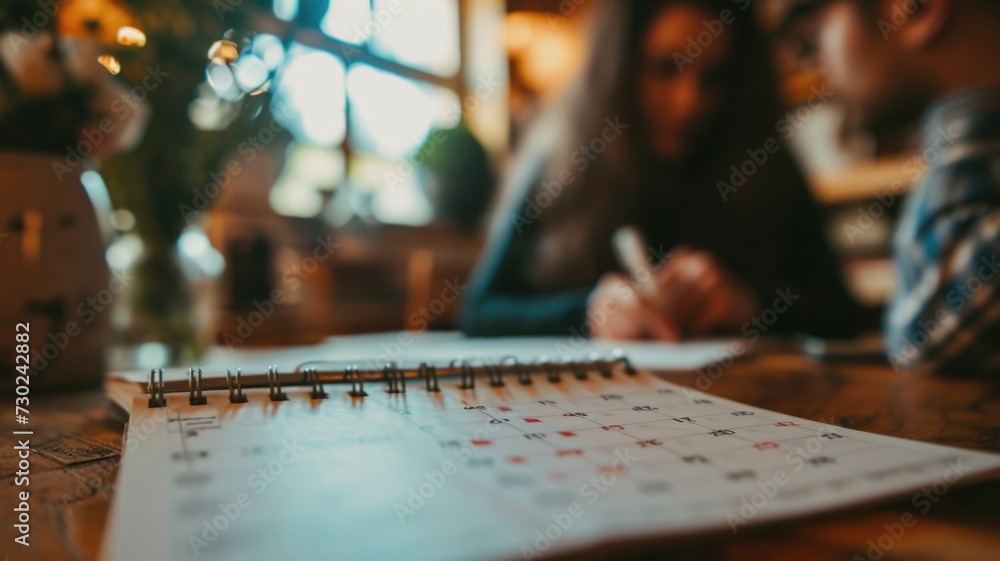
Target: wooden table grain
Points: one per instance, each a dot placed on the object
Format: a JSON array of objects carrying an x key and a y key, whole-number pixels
[{"x": 77, "y": 442}]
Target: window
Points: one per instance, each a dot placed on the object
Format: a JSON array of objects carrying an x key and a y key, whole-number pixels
[
  {"x": 310, "y": 98},
  {"x": 421, "y": 33},
  {"x": 364, "y": 97},
  {"x": 391, "y": 115}
]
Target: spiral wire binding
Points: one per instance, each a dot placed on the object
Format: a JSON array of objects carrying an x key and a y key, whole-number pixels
[
  {"x": 394, "y": 377},
  {"x": 467, "y": 373},
  {"x": 604, "y": 370},
  {"x": 353, "y": 374},
  {"x": 235, "y": 387},
  {"x": 429, "y": 373},
  {"x": 156, "y": 390},
  {"x": 274, "y": 385},
  {"x": 523, "y": 375},
  {"x": 551, "y": 370},
  {"x": 495, "y": 375},
  {"x": 579, "y": 369},
  {"x": 194, "y": 387},
  {"x": 309, "y": 375}
]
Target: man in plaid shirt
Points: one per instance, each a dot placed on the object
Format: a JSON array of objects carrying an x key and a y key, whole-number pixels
[
  {"x": 892, "y": 61},
  {"x": 946, "y": 313}
]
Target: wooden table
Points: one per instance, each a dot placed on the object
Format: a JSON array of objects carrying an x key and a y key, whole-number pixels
[{"x": 70, "y": 497}]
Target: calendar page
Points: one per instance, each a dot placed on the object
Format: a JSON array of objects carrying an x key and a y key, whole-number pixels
[{"x": 545, "y": 470}]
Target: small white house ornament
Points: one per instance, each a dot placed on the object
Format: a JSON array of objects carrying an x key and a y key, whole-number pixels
[{"x": 53, "y": 273}]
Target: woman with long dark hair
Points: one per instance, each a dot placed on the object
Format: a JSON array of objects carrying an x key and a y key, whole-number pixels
[{"x": 674, "y": 127}]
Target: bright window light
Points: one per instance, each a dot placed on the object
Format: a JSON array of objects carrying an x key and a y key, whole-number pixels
[
  {"x": 309, "y": 171},
  {"x": 419, "y": 33},
  {"x": 295, "y": 199},
  {"x": 391, "y": 115},
  {"x": 392, "y": 202},
  {"x": 408, "y": 207},
  {"x": 348, "y": 20},
  {"x": 310, "y": 97}
]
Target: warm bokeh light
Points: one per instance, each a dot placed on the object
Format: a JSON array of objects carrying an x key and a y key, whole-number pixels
[
  {"x": 131, "y": 37},
  {"x": 223, "y": 51},
  {"x": 546, "y": 57},
  {"x": 519, "y": 31},
  {"x": 110, "y": 63},
  {"x": 99, "y": 20}
]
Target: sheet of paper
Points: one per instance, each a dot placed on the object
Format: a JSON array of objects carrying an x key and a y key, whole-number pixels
[
  {"x": 374, "y": 350},
  {"x": 544, "y": 470},
  {"x": 646, "y": 355}
]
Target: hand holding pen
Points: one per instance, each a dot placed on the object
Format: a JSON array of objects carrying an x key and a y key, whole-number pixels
[{"x": 691, "y": 294}]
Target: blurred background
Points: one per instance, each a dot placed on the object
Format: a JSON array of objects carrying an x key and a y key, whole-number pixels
[{"x": 278, "y": 172}]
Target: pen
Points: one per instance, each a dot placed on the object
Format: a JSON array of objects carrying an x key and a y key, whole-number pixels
[{"x": 630, "y": 248}]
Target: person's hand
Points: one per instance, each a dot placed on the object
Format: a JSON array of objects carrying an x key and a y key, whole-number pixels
[
  {"x": 615, "y": 310},
  {"x": 695, "y": 295},
  {"x": 700, "y": 296}
]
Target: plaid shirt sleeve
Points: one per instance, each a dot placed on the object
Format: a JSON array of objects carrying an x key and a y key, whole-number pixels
[{"x": 945, "y": 315}]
